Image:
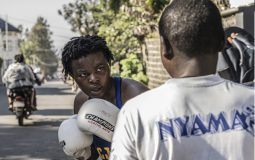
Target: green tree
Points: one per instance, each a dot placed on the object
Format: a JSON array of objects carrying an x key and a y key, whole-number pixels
[
  {"x": 79, "y": 15},
  {"x": 118, "y": 28},
  {"x": 37, "y": 47},
  {"x": 132, "y": 64},
  {"x": 126, "y": 48},
  {"x": 154, "y": 6},
  {"x": 123, "y": 23}
]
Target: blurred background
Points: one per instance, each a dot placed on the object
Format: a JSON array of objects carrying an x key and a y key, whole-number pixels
[{"x": 40, "y": 28}]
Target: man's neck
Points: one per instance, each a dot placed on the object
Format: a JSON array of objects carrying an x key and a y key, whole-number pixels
[{"x": 196, "y": 66}]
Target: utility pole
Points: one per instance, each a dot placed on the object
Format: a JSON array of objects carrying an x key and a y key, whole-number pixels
[
  {"x": 6, "y": 44},
  {"x": 1, "y": 55},
  {"x": 6, "y": 32}
]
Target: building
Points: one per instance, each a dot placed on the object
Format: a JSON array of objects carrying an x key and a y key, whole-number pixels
[
  {"x": 9, "y": 40},
  {"x": 242, "y": 16}
]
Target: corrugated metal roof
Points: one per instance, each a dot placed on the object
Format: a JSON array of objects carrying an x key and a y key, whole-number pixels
[{"x": 10, "y": 27}]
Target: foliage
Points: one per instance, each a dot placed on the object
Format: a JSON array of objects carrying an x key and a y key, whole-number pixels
[
  {"x": 132, "y": 64},
  {"x": 37, "y": 47},
  {"x": 123, "y": 23},
  {"x": 119, "y": 36},
  {"x": 157, "y": 5},
  {"x": 125, "y": 46},
  {"x": 154, "y": 6},
  {"x": 27, "y": 48},
  {"x": 115, "y": 5},
  {"x": 78, "y": 14}
]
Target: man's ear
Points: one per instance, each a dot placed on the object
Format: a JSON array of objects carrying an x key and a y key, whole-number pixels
[{"x": 166, "y": 48}]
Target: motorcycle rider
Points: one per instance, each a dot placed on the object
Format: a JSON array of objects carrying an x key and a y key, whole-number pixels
[{"x": 20, "y": 76}]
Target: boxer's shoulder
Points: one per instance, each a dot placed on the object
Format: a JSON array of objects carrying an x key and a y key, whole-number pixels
[{"x": 131, "y": 88}]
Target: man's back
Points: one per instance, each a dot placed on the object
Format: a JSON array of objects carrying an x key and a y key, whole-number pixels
[
  {"x": 196, "y": 115},
  {"x": 18, "y": 75},
  {"x": 190, "y": 118}
]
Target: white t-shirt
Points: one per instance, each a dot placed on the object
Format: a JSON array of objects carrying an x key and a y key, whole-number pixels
[
  {"x": 18, "y": 75},
  {"x": 196, "y": 118}
]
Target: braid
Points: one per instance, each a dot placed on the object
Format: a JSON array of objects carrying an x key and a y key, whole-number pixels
[{"x": 79, "y": 47}]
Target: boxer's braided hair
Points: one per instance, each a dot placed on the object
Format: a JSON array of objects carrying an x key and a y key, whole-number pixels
[{"x": 78, "y": 47}]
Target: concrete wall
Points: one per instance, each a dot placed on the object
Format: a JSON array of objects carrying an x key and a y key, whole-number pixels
[{"x": 242, "y": 17}]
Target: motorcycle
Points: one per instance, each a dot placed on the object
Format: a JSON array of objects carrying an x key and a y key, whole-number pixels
[{"x": 21, "y": 103}]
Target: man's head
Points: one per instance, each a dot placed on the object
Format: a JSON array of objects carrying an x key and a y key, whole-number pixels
[
  {"x": 191, "y": 34},
  {"x": 87, "y": 59},
  {"x": 192, "y": 26},
  {"x": 19, "y": 58}
]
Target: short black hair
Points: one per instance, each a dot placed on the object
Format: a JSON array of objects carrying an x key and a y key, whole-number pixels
[
  {"x": 19, "y": 58},
  {"x": 192, "y": 26},
  {"x": 81, "y": 46}
]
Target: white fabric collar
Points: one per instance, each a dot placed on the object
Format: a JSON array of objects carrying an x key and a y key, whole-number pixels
[{"x": 207, "y": 80}]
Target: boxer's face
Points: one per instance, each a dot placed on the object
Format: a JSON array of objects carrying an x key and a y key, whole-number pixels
[{"x": 92, "y": 74}]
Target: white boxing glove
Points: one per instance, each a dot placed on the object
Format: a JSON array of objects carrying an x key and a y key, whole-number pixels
[
  {"x": 74, "y": 142},
  {"x": 99, "y": 117}
]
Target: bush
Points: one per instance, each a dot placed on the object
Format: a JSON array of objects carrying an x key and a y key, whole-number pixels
[
  {"x": 133, "y": 68},
  {"x": 125, "y": 47}
]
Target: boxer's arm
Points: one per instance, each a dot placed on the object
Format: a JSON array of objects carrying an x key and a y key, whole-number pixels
[
  {"x": 80, "y": 98},
  {"x": 132, "y": 88}
]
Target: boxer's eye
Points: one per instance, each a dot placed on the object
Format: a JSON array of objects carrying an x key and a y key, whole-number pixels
[
  {"x": 100, "y": 68},
  {"x": 83, "y": 75}
]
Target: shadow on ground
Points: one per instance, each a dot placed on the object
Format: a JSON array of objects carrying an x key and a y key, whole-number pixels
[
  {"x": 54, "y": 91},
  {"x": 52, "y": 112},
  {"x": 18, "y": 147}
]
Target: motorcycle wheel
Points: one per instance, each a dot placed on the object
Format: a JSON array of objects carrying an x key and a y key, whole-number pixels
[{"x": 20, "y": 120}]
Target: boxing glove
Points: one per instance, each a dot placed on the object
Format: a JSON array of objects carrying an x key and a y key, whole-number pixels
[
  {"x": 99, "y": 117},
  {"x": 74, "y": 142}
]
